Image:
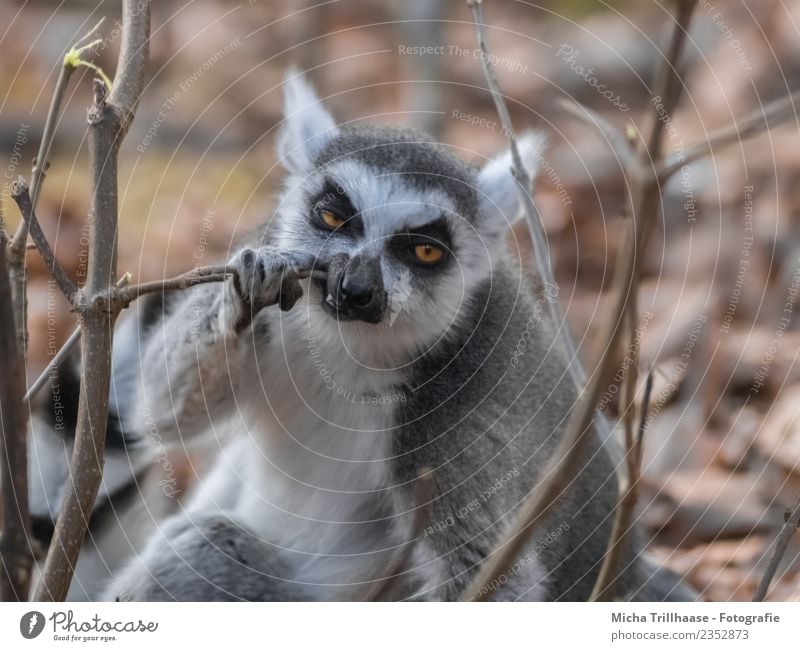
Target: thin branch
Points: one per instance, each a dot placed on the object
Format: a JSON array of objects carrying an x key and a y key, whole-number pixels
[
  {"x": 41, "y": 161},
  {"x": 605, "y": 588},
  {"x": 646, "y": 196},
  {"x": 90, "y": 33},
  {"x": 541, "y": 252},
  {"x": 17, "y": 247},
  {"x": 772, "y": 115},
  {"x": 566, "y": 463},
  {"x": 183, "y": 281},
  {"x": 63, "y": 353},
  {"x": 20, "y": 193},
  {"x": 16, "y": 556},
  {"x": 523, "y": 179},
  {"x": 198, "y": 276},
  {"x": 790, "y": 526},
  {"x": 134, "y": 56},
  {"x": 423, "y": 504},
  {"x": 54, "y": 363},
  {"x": 109, "y": 118},
  {"x": 618, "y": 141},
  {"x": 669, "y": 84},
  {"x": 538, "y": 238}
]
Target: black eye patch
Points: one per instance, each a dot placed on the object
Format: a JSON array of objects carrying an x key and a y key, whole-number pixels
[
  {"x": 435, "y": 233},
  {"x": 334, "y": 199}
]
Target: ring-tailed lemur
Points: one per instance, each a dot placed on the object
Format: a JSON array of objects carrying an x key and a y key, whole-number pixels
[{"x": 380, "y": 335}]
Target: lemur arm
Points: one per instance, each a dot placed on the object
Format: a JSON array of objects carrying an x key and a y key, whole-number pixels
[{"x": 195, "y": 359}]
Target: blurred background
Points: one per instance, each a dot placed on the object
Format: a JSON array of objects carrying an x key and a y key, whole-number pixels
[{"x": 199, "y": 172}]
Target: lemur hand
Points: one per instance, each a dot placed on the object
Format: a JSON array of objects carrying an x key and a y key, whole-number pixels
[{"x": 263, "y": 277}]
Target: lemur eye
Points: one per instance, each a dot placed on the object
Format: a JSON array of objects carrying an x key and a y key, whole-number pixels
[
  {"x": 330, "y": 219},
  {"x": 428, "y": 253}
]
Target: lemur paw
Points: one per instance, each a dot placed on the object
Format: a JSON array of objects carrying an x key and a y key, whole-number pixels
[{"x": 262, "y": 277}]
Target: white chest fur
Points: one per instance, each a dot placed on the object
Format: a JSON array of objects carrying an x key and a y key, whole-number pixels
[{"x": 314, "y": 459}]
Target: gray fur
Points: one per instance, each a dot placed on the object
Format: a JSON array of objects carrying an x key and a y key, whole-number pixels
[{"x": 332, "y": 420}]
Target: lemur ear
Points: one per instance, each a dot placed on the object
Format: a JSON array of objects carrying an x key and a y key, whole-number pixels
[
  {"x": 497, "y": 189},
  {"x": 307, "y": 126}
]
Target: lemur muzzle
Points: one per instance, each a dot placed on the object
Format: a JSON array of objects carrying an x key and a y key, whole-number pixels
[{"x": 355, "y": 288}]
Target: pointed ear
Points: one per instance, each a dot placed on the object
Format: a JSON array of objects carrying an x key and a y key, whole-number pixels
[
  {"x": 498, "y": 193},
  {"x": 307, "y": 126}
]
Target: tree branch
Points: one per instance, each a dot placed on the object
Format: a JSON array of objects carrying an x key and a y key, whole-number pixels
[
  {"x": 134, "y": 56},
  {"x": 198, "y": 276},
  {"x": 541, "y": 252},
  {"x": 618, "y": 141},
  {"x": 109, "y": 118},
  {"x": 17, "y": 248},
  {"x": 16, "y": 556},
  {"x": 772, "y": 115},
  {"x": 605, "y": 588},
  {"x": 568, "y": 459},
  {"x": 185, "y": 280},
  {"x": 62, "y": 353},
  {"x": 21, "y": 194},
  {"x": 790, "y": 526}
]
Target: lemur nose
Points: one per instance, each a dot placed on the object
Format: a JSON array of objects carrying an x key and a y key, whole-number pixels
[
  {"x": 359, "y": 291},
  {"x": 355, "y": 292}
]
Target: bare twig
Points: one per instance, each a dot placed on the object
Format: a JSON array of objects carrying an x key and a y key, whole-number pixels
[
  {"x": 605, "y": 588},
  {"x": 541, "y": 252},
  {"x": 109, "y": 119},
  {"x": 790, "y": 526},
  {"x": 16, "y": 557},
  {"x": 198, "y": 276},
  {"x": 619, "y": 143},
  {"x": 62, "y": 353},
  {"x": 567, "y": 461},
  {"x": 770, "y": 116},
  {"x": 17, "y": 246},
  {"x": 423, "y": 503},
  {"x": 132, "y": 64},
  {"x": 21, "y": 194},
  {"x": 59, "y": 357},
  {"x": 645, "y": 197},
  {"x": 183, "y": 281}
]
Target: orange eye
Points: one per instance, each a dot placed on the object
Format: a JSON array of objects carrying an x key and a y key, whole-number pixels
[
  {"x": 428, "y": 253},
  {"x": 330, "y": 219}
]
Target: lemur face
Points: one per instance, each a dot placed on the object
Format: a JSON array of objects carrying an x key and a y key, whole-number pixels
[{"x": 407, "y": 229}]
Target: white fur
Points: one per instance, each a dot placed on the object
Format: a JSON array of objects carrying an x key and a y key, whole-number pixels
[
  {"x": 386, "y": 205},
  {"x": 307, "y": 127},
  {"x": 498, "y": 190},
  {"x": 308, "y": 469}
]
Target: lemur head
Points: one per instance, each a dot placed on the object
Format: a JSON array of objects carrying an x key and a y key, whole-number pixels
[{"x": 408, "y": 228}]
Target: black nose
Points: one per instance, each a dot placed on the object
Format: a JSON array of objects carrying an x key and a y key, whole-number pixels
[
  {"x": 359, "y": 291},
  {"x": 354, "y": 292}
]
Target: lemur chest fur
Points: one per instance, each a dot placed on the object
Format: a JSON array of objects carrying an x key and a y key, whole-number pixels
[{"x": 319, "y": 431}]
